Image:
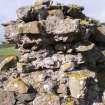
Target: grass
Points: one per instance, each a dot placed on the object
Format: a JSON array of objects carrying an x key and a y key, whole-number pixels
[{"x": 7, "y": 51}]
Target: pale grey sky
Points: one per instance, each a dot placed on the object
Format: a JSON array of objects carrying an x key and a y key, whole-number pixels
[{"x": 93, "y": 8}]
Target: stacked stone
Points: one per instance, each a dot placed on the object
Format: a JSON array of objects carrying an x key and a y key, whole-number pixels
[
  {"x": 53, "y": 42},
  {"x": 43, "y": 34}
]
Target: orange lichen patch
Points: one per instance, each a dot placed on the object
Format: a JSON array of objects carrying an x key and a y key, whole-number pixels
[
  {"x": 17, "y": 85},
  {"x": 82, "y": 74}
]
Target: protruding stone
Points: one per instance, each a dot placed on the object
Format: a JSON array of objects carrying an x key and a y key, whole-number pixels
[
  {"x": 45, "y": 99},
  {"x": 8, "y": 63},
  {"x": 69, "y": 66},
  {"x": 23, "y": 13},
  {"x": 85, "y": 46},
  {"x": 22, "y": 98},
  {"x": 56, "y": 48},
  {"x": 17, "y": 85},
  {"x": 82, "y": 85},
  {"x": 32, "y": 13},
  {"x": 55, "y": 25},
  {"x": 75, "y": 11},
  {"x": 13, "y": 31}
]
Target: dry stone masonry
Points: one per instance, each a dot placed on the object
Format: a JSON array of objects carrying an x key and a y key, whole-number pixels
[{"x": 59, "y": 57}]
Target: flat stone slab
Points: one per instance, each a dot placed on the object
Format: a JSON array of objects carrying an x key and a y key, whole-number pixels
[
  {"x": 7, "y": 98},
  {"x": 55, "y": 25}
]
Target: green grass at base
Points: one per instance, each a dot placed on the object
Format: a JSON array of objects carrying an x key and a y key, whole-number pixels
[{"x": 8, "y": 51}]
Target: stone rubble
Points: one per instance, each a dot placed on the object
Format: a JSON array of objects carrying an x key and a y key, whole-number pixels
[{"x": 58, "y": 57}]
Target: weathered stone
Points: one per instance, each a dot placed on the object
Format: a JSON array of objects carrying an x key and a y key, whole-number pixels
[
  {"x": 56, "y": 12},
  {"x": 24, "y": 13},
  {"x": 60, "y": 47},
  {"x": 99, "y": 35},
  {"x": 69, "y": 66},
  {"x": 31, "y": 13},
  {"x": 8, "y": 62},
  {"x": 56, "y": 51},
  {"x": 83, "y": 85},
  {"x": 38, "y": 76},
  {"x": 22, "y": 98},
  {"x": 17, "y": 85},
  {"x": 62, "y": 89},
  {"x": 31, "y": 27},
  {"x": 27, "y": 58},
  {"x": 13, "y": 31},
  {"x": 43, "y": 82},
  {"x": 41, "y": 10},
  {"x": 56, "y": 60},
  {"x": 23, "y": 51},
  {"x": 49, "y": 86},
  {"x": 47, "y": 62},
  {"x": 75, "y": 11},
  {"x": 7, "y": 98},
  {"x": 55, "y": 25},
  {"x": 21, "y": 67},
  {"x": 47, "y": 100},
  {"x": 25, "y": 67},
  {"x": 26, "y": 42},
  {"x": 85, "y": 46}
]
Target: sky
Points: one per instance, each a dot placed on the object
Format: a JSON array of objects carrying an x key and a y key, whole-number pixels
[{"x": 93, "y": 8}]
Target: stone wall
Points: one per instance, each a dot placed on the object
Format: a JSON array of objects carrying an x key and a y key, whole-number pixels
[{"x": 57, "y": 57}]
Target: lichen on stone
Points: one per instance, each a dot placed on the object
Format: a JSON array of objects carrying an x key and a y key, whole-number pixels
[
  {"x": 69, "y": 102},
  {"x": 75, "y": 9},
  {"x": 79, "y": 75},
  {"x": 84, "y": 22},
  {"x": 17, "y": 85}
]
